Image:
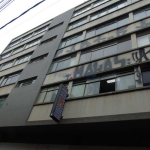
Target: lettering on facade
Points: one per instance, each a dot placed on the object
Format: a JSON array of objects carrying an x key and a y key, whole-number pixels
[
  {"x": 100, "y": 38},
  {"x": 90, "y": 70}
]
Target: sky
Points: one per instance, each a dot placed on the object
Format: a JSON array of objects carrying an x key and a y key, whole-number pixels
[{"x": 40, "y": 14}]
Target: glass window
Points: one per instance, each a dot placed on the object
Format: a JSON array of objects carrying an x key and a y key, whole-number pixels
[
  {"x": 41, "y": 30},
  {"x": 122, "y": 5},
  {"x": 17, "y": 50},
  {"x": 133, "y": 1},
  {"x": 22, "y": 59},
  {"x": 123, "y": 22},
  {"x": 110, "y": 50},
  {"x": 143, "y": 40},
  {"x": 148, "y": 12},
  {"x": 26, "y": 37},
  {"x": 85, "y": 57},
  {"x": 101, "y": 30},
  {"x": 41, "y": 97},
  {"x": 97, "y": 54},
  {"x": 33, "y": 43},
  {"x": 139, "y": 15},
  {"x": 124, "y": 46},
  {"x": 102, "y": 13},
  {"x": 90, "y": 33},
  {"x": 125, "y": 82},
  {"x": 69, "y": 41},
  {"x": 6, "y": 55},
  {"x": 92, "y": 88},
  {"x": 95, "y": 16},
  {"x": 78, "y": 90},
  {"x": 146, "y": 78},
  {"x": 6, "y": 65},
  {"x": 10, "y": 79},
  {"x": 112, "y": 9},
  {"x": 112, "y": 26}
]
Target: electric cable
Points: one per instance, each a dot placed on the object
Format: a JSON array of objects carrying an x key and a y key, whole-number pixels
[
  {"x": 22, "y": 14},
  {"x": 31, "y": 17},
  {"x": 3, "y": 5}
]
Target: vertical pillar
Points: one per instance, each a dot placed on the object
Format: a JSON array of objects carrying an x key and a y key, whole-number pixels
[
  {"x": 134, "y": 41},
  {"x": 138, "y": 77},
  {"x": 70, "y": 87},
  {"x": 77, "y": 58},
  {"x": 131, "y": 17}
]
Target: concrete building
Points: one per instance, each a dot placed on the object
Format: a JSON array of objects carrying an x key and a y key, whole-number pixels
[{"x": 100, "y": 50}]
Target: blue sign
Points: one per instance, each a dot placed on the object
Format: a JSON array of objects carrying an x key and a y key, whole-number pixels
[{"x": 57, "y": 109}]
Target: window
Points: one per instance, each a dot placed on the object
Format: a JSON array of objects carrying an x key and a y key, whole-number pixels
[
  {"x": 103, "y": 84},
  {"x": 82, "y": 10},
  {"x": 22, "y": 59},
  {"x": 10, "y": 79},
  {"x": 38, "y": 58},
  {"x": 77, "y": 23},
  {"x": 17, "y": 50},
  {"x": 107, "y": 50},
  {"x": 143, "y": 40},
  {"x": 100, "y": 2},
  {"x": 33, "y": 43},
  {"x": 70, "y": 41},
  {"x": 61, "y": 64},
  {"x": 110, "y": 25},
  {"x": 47, "y": 95},
  {"x": 142, "y": 12},
  {"x": 2, "y": 100},
  {"x": 5, "y": 55},
  {"x": 49, "y": 40},
  {"x": 125, "y": 82},
  {"x": 14, "y": 43},
  {"x": 26, "y": 37},
  {"x": 26, "y": 82},
  {"x": 146, "y": 77},
  {"x": 6, "y": 65},
  {"x": 109, "y": 9},
  {"x": 41, "y": 30}
]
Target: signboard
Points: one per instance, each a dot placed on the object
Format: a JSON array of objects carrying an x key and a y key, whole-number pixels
[{"x": 57, "y": 109}]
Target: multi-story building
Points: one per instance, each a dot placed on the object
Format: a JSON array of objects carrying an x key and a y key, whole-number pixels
[{"x": 100, "y": 50}]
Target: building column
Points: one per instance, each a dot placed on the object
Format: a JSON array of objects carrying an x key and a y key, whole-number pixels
[
  {"x": 77, "y": 58},
  {"x": 70, "y": 87},
  {"x": 88, "y": 18},
  {"x": 138, "y": 77},
  {"x": 83, "y": 35},
  {"x": 134, "y": 41},
  {"x": 131, "y": 17}
]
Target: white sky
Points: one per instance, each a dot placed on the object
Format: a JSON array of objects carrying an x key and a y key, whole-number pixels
[{"x": 40, "y": 14}]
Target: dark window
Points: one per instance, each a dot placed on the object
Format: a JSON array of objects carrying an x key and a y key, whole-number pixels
[
  {"x": 38, "y": 58},
  {"x": 26, "y": 82},
  {"x": 107, "y": 86},
  {"x": 49, "y": 40},
  {"x": 146, "y": 78},
  {"x": 56, "y": 26}
]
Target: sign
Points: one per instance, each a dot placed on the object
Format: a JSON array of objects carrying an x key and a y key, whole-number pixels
[{"x": 57, "y": 109}]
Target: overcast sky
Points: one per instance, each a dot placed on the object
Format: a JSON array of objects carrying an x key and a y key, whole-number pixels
[{"x": 40, "y": 14}]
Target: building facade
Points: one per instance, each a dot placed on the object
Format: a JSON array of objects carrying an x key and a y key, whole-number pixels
[{"x": 100, "y": 50}]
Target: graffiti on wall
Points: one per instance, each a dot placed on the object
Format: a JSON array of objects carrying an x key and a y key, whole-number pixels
[
  {"x": 91, "y": 69},
  {"x": 104, "y": 37}
]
